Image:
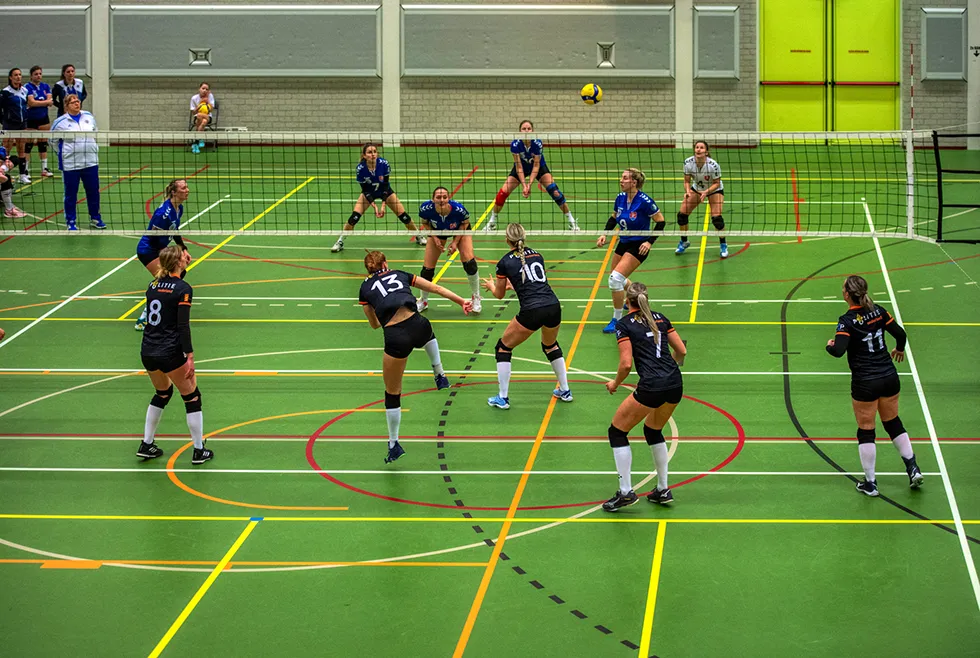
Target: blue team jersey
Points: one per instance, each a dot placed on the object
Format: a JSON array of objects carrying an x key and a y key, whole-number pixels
[
  {"x": 373, "y": 180},
  {"x": 453, "y": 221},
  {"x": 526, "y": 152},
  {"x": 634, "y": 216},
  {"x": 40, "y": 92},
  {"x": 13, "y": 105},
  {"x": 165, "y": 218}
]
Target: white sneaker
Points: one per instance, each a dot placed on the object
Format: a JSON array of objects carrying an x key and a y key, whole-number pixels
[
  {"x": 338, "y": 245},
  {"x": 46, "y": 174},
  {"x": 421, "y": 240},
  {"x": 422, "y": 305},
  {"x": 573, "y": 225},
  {"x": 14, "y": 212},
  {"x": 477, "y": 304},
  {"x": 491, "y": 226},
  {"x": 25, "y": 179}
]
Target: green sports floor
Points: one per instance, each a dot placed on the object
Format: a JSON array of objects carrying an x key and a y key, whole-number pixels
[{"x": 485, "y": 539}]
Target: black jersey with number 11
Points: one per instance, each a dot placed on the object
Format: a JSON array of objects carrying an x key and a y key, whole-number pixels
[
  {"x": 168, "y": 314},
  {"x": 530, "y": 281},
  {"x": 867, "y": 353},
  {"x": 388, "y": 291}
]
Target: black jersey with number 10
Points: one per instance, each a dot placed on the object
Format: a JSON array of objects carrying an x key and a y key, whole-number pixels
[
  {"x": 388, "y": 291},
  {"x": 653, "y": 362},
  {"x": 532, "y": 288},
  {"x": 167, "y": 330}
]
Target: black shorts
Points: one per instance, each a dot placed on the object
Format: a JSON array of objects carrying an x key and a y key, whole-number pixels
[
  {"x": 146, "y": 259},
  {"x": 542, "y": 170},
  {"x": 870, "y": 390},
  {"x": 721, "y": 192},
  {"x": 382, "y": 194},
  {"x": 655, "y": 399},
  {"x": 164, "y": 363},
  {"x": 632, "y": 247},
  {"x": 533, "y": 319},
  {"x": 37, "y": 123},
  {"x": 15, "y": 125},
  {"x": 402, "y": 338}
]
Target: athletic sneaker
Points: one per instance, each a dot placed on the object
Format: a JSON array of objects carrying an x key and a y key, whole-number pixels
[
  {"x": 394, "y": 453},
  {"x": 915, "y": 475},
  {"x": 422, "y": 305},
  {"x": 97, "y": 223},
  {"x": 573, "y": 226},
  {"x": 421, "y": 240},
  {"x": 868, "y": 488},
  {"x": 72, "y": 226},
  {"x": 620, "y": 500},
  {"x": 499, "y": 402},
  {"x": 14, "y": 212},
  {"x": 200, "y": 144},
  {"x": 149, "y": 450},
  {"x": 611, "y": 327},
  {"x": 195, "y": 148},
  {"x": 201, "y": 456},
  {"x": 477, "y": 304},
  {"x": 661, "y": 496},
  {"x": 46, "y": 174},
  {"x": 442, "y": 382},
  {"x": 564, "y": 396},
  {"x": 25, "y": 179},
  {"x": 140, "y": 324},
  {"x": 338, "y": 245},
  {"x": 682, "y": 247},
  {"x": 724, "y": 250},
  {"x": 491, "y": 226}
]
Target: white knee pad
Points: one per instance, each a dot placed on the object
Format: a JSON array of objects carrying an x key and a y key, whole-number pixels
[{"x": 617, "y": 282}]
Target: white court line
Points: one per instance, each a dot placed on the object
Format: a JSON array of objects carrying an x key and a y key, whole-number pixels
[
  {"x": 389, "y": 472},
  {"x": 947, "y": 484},
  {"x": 548, "y": 373}
]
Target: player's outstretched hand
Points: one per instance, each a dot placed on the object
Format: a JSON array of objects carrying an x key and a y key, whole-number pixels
[
  {"x": 601, "y": 240},
  {"x": 489, "y": 284},
  {"x": 467, "y": 306},
  {"x": 611, "y": 387},
  {"x": 898, "y": 356}
]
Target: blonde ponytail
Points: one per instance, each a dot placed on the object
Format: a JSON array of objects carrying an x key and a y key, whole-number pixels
[
  {"x": 169, "y": 261},
  {"x": 857, "y": 289},
  {"x": 516, "y": 236},
  {"x": 636, "y": 295}
]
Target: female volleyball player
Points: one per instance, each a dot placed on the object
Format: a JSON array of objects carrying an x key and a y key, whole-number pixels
[
  {"x": 373, "y": 175},
  {"x": 165, "y": 218},
  {"x": 38, "y": 101},
  {"x": 13, "y": 108},
  {"x": 68, "y": 84},
  {"x": 874, "y": 379},
  {"x": 702, "y": 180},
  {"x": 633, "y": 210},
  {"x": 522, "y": 269},
  {"x": 7, "y": 186},
  {"x": 529, "y": 166},
  {"x": 388, "y": 302},
  {"x": 646, "y": 339},
  {"x": 168, "y": 355},
  {"x": 443, "y": 214}
]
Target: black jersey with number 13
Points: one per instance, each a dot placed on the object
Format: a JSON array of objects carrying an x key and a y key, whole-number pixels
[
  {"x": 388, "y": 291},
  {"x": 167, "y": 330},
  {"x": 653, "y": 361},
  {"x": 532, "y": 288}
]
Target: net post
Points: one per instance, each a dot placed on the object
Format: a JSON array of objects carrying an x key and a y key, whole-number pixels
[
  {"x": 910, "y": 183},
  {"x": 939, "y": 187}
]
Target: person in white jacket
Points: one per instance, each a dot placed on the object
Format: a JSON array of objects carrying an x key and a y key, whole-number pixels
[{"x": 78, "y": 159}]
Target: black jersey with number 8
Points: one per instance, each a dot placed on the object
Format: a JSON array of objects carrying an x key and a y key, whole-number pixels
[
  {"x": 530, "y": 281},
  {"x": 167, "y": 330},
  {"x": 388, "y": 291}
]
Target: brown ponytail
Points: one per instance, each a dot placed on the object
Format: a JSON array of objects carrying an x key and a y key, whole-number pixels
[
  {"x": 857, "y": 290},
  {"x": 170, "y": 258}
]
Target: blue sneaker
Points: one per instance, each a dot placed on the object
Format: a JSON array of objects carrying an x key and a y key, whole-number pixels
[
  {"x": 394, "y": 453},
  {"x": 442, "y": 382},
  {"x": 97, "y": 223},
  {"x": 499, "y": 402},
  {"x": 195, "y": 149},
  {"x": 611, "y": 327},
  {"x": 724, "y": 250},
  {"x": 140, "y": 324},
  {"x": 564, "y": 396},
  {"x": 72, "y": 226},
  {"x": 682, "y": 247}
]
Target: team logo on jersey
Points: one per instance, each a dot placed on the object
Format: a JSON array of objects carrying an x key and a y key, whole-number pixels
[
  {"x": 859, "y": 319},
  {"x": 632, "y": 215}
]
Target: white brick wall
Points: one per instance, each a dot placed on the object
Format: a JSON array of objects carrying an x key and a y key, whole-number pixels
[{"x": 938, "y": 103}]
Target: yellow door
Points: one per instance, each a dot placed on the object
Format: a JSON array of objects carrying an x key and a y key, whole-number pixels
[
  {"x": 866, "y": 57},
  {"x": 793, "y": 59}
]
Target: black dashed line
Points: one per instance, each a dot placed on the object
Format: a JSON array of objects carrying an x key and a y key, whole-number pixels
[
  {"x": 603, "y": 629},
  {"x": 556, "y": 599},
  {"x": 536, "y": 585}
]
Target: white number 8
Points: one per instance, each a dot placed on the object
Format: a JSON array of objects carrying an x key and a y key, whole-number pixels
[{"x": 154, "y": 316}]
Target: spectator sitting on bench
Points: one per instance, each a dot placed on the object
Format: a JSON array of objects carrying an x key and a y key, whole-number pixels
[{"x": 202, "y": 112}]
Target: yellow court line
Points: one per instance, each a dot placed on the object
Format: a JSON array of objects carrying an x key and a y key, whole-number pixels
[
  {"x": 697, "y": 277},
  {"x": 522, "y": 483},
  {"x": 189, "y": 608},
  {"x": 449, "y": 261},
  {"x": 232, "y": 237},
  {"x": 658, "y": 556}
]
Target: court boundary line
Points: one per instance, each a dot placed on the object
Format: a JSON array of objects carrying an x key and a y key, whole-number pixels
[
  {"x": 651, "y": 601},
  {"x": 697, "y": 276},
  {"x": 369, "y": 471}
]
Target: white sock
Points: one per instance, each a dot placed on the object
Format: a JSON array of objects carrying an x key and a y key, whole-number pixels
[
  {"x": 903, "y": 445},
  {"x": 659, "y": 451},
  {"x": 432, "y": 349},
  {"x": 624, "y": 461},
  {"x": 558, "y": 365},
  {"x": 195, "y": 423},
  {"x": 493, "y": 216},
  {"x": 474, "y": 280},
  {"x": 425, "y": 296},
  {"x": 143, "y": 313},
  {"x": 8, "y": 198},
  {"x": 867, "y": 452},
  {"x": 341, "y": 238},
  {"x": 568, "y": 215},
  {"x": 617, "y": 314},
  {"x": 503, "y": 377},
  {"x": 44, "y": 163},
  {"x": 394, "y": 418},
  {"x": 153, "y": 416}
]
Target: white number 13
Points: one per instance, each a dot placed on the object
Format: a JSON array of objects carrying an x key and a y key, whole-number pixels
[{"x": 393, "y": 284}]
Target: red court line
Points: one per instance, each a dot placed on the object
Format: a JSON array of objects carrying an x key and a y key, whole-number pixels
[
  {"x": 79, "y": 202},
  {"x": 149, "y": 213},
  {"x": 796, "y": 204},
  {"x": 463, "y": 182}
]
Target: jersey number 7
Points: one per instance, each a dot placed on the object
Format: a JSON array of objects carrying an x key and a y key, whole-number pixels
[{"x": 393, "y": 284}]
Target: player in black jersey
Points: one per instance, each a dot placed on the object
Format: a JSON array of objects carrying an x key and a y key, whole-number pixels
[
  {"x": 388, "y": 302},
  {"x": 646, "y": 339},
  {"x": 874, "y": 379},
  {"x": 168, "y": 355},
  {"x": 522, "y": 270}
]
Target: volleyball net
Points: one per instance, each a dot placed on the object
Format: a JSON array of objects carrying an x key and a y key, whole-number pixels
[{"x": 774, "y": 184}]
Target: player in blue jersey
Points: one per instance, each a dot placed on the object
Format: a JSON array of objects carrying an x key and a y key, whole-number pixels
[
  {"x": 522, "y": 270},
  {"x": 13, "y": 111},
  {"x": 632, "y": 211},
  {"x": 67, "y": 85},
  {"x": 373, "y": 175},
  {"x": 529, "y": 167},
  {"x": 39, "y": 99},
  {"x": 165, "y": 218},
  {"x": 443, "y": 214}
]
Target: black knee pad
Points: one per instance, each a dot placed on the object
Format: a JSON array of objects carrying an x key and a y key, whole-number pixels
[
  {"x": 161, "y": 398},
  {"x": 190, "y": 404},
  {"x": 470, "y": 267},
  {"x": 354, "y": 218},
  {"x": 718, "y": 221},
  {"x": 405, "y": 218},
  {"x": 502, "y": 352},
  {"x": 42, "y": 147},
  {"x": 428, "y": 273},
  {"x": 653, "y": 436},
  {"x": 618, "y": 438},
  {"x": 865, "y": 436},
  {"x": 29, "y": 147},
  {"x": 393, "y": 401},
  {"x": 550, "y": 351},
  {"x": 682, "y": 219},
  {"x": 894, "y": 427}
]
